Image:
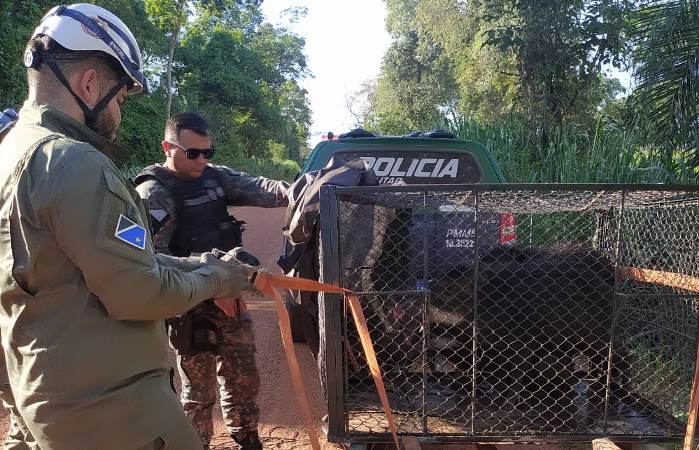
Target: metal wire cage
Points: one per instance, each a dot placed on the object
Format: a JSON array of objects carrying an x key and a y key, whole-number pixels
[{"x": 512, "y": 312}]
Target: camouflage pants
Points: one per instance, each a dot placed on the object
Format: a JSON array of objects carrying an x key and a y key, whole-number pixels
[{"x": 232, "y": 364}]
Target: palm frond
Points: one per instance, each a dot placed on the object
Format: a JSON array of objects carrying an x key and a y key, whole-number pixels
[{"x": 665, "y": 35}]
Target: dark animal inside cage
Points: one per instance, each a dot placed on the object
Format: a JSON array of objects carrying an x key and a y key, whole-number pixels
[
  {"x": 585, "y": 326},
  {"x": 539, "y": 321},
  {"x": 544, "y": 327}
]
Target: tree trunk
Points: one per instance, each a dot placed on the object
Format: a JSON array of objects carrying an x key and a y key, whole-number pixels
[{"x": 171, "y": 57}]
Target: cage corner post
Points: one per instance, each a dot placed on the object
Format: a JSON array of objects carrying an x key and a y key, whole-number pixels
[
  {"x": 427, "y": 298},
  {"x": 332, "y": 307},
  {"x": 693, "y": 407},
  {"x": 474, "y": 308},
  {"x": 617, "y": 305}
]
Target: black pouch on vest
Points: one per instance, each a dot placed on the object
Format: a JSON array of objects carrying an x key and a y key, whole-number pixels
[
  {"x": 180, "y": 333},
  {"x": 232, "y": 233}
]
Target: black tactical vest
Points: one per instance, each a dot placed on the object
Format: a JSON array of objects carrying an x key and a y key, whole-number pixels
[{"x": 203, "y": 222}]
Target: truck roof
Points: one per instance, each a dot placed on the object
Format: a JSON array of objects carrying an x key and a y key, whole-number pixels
[{"x": 373, "y": 145}]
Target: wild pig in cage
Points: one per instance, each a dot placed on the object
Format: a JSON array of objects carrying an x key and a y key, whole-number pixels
[{"x": 521, "y": 312}]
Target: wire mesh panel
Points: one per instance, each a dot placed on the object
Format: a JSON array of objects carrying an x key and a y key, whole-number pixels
[{"x": 522, "y": 311}]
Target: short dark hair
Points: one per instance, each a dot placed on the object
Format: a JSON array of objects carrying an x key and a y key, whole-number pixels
[
  {"x": 185, "y": 121},
  {"x": 68, "y": 61}
]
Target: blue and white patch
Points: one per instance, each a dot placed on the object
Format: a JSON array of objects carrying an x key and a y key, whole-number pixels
[{"x": 130, "y": 232}]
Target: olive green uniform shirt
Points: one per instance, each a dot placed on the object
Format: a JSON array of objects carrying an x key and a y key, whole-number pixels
[{"x": 81, "y": 311}]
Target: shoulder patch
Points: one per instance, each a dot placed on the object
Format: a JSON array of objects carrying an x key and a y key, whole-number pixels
[
  {"x": 130, "y": 232},
  {"x": 158, "y": 214}
]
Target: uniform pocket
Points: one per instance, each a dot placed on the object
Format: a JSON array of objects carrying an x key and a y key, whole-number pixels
[
  {"x": 15, "y": 262},
  {"x": 118, "y": 208},
  {"x": 117, "y": 187}
]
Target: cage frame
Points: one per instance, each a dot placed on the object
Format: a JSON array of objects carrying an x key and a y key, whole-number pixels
[{"x": 335, "y": 381}]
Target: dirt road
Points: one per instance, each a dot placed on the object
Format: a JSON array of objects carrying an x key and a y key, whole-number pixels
[{"x": 280, "y": 422}]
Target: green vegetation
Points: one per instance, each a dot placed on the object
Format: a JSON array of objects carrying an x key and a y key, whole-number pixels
[
  {"x": 216, "y": 57},
  {"x": 532, "y": 81},
  {"x": 607, "y": 153},
  {"x": 667, "y": 58},
  {"x": 657, "y": 369}
]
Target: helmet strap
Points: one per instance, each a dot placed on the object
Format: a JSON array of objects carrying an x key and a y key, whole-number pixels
[{"x": 91, "y": 114}]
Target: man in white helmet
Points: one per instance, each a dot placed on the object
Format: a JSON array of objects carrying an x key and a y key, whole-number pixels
[{"x": 82, "y": 293}]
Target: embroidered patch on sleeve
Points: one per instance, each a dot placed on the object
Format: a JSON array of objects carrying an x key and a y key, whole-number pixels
[
  {"x": 130, "y": 232},
  {"x": 158, "y": 214}
]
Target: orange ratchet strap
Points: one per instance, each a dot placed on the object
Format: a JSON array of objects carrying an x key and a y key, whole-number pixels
[{"x": 269, "y": 283}]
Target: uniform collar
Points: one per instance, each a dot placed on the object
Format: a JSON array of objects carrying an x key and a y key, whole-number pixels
[{"x": 56, "y": 121}]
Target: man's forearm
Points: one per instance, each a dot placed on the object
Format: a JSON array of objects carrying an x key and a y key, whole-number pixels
[{"x": 186, "y": 264}]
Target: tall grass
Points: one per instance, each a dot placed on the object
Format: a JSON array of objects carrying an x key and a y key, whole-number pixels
[
  {"x": 270, "y": 168},
  {"x": 606, "y": 154},
  {"x": 277, "y": 169}
]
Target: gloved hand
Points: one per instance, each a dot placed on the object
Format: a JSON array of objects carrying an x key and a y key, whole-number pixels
[
  {"x": 238, "y": 254},
  {"x": 230, "y": 277}
]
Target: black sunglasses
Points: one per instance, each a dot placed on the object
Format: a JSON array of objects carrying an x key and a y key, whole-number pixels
[{"x": 193, "y": 153}]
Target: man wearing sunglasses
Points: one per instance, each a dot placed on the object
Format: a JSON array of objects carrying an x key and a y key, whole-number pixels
[{"x": 188, "y": 200}]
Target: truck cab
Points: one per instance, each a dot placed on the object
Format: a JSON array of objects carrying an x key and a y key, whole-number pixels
[
  {"x": 434, "y": 157},
  {"x": 420, "y": 158}
]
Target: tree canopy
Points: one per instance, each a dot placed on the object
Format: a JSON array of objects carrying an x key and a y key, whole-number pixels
[
  {"x": 532, "y": 77},
  {"x": 489, "y": 58},
  {"x": 216, "y": 57},
  {"x": 543, "y": 71}
]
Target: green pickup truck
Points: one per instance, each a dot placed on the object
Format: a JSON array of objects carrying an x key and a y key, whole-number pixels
[{"x": 434, "y": 157}]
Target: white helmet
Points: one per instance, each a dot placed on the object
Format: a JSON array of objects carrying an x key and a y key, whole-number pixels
[{"x": 86, "y": 27}]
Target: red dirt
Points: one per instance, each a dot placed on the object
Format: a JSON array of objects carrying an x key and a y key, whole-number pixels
[{"x": 280, "y": 422}]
